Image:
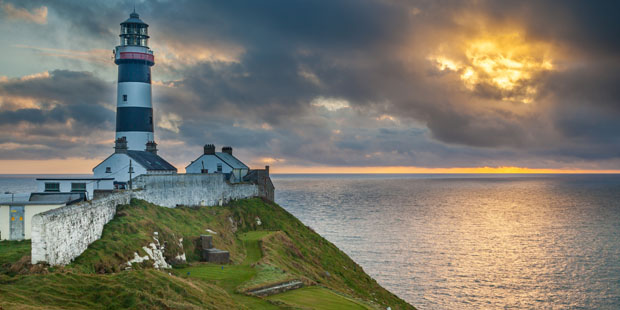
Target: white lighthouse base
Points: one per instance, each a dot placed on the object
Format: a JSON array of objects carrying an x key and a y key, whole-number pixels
[{"x": 136, "y": 140}]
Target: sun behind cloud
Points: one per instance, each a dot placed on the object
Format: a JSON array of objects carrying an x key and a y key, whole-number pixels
[{"x": 503, "y": 63}]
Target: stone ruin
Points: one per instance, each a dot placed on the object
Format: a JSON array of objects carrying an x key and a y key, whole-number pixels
[{"x": 211, "y": 254}]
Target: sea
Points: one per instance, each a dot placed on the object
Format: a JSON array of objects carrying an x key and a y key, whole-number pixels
[{"x": 465, "y": 241}]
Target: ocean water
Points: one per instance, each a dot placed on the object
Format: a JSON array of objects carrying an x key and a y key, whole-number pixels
[
  {"x": 466, "y": 241},
  {"x": 473, "y": 242}
]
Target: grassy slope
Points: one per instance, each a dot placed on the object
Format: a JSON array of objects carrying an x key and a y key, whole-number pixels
[
  {"x": 299, "y": 250},
  {"x": 144, "y": 289},
  {"x": 133, "y": 228},
  {"x": 12, "y": 251},
  {"x": 307, "y": 298},
  {"x": 284, "y": 244}
]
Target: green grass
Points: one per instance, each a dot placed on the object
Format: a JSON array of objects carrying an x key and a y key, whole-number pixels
[
  {"x": 143, "y": 289},
  {"x": 230, "y": 277},
  {"x": 281, "y": 248},
  {"x": 298, "y": 250},
  {"x": 317, "y": 298},
  {"x": 133, "y": 228},
  {"x": 252, "y": 244},
  {"x": 11, "y": 252},
  {"x": 266, "y": 275}
]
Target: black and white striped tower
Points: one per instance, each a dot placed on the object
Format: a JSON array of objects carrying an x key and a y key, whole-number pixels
[{"x": 134, "y": 111}]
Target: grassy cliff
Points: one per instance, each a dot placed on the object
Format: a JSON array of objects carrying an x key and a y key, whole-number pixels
[{"x": 267, "y": 245}]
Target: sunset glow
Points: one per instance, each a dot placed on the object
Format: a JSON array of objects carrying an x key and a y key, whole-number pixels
[
  {"x": 506, "y": 62},
  {"x": 462, "y": 86}
]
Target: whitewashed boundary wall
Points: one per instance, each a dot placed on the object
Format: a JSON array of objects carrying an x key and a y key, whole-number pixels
[
  {"x": 171, "y": 190},
  {"x": 60, "y": 235}
]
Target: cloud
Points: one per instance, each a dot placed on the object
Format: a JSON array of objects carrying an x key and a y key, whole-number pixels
[
  {"x": 37, "y": 15},
  {"x": 377, "y": 83},
  {"x": 96, "y": 55},
  {"x": 67, "y": 114}
]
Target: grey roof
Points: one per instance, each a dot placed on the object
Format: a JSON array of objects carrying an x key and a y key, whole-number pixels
[
  {"x": 150, "y": 161},
  {"x": 57, "y": 198},
  {"x": 134, "y": 18},
  {"x": 230, "y": 160}
]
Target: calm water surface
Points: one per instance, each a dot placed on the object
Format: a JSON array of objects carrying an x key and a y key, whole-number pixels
[
  {"x": 459, "y": 242},
  {"x": 545, "y": 242}
]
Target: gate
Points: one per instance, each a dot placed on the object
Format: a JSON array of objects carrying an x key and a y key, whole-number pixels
[{"x": 17, "y": 223}]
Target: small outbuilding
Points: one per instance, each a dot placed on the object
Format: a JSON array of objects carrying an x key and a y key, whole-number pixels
[
  {"x": 75, "y": 185},
  {"x": 219, "y": 162},
  {"x": 16, "y": 216}
]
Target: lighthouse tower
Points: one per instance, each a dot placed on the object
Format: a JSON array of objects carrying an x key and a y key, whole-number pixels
[
  {"x": 135, "y": 150},
  {"x": 134, "y": 111}
]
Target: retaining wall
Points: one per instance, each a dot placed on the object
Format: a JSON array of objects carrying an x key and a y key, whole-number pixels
[
  {"x": 60, "y": 235},
  {"x": 193, "y": 189}
]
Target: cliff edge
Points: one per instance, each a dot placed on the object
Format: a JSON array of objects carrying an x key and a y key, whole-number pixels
[{"x": 150, "y": 257}]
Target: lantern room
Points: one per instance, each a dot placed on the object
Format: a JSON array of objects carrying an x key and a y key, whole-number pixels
[{"x": 134, "y": 31}]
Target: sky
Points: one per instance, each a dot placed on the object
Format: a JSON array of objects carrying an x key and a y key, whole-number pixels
[{"x": 338, "y": 86}]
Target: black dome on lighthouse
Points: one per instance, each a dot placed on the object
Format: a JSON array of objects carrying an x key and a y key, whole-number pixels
[{"x": 134, "y": 18}]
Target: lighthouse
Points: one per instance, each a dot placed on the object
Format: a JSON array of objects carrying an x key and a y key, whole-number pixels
[
  {"x": 134, "y": 110},
  {"x": 135, "y": 150}
]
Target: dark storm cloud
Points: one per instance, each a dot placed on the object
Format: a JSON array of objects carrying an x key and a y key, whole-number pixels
[
  {"x": 71, "y": 95},
  {"x": 584, "y": 25},
  {"x": 296, "y": 51},
  {"x": 66, "y": 104}
]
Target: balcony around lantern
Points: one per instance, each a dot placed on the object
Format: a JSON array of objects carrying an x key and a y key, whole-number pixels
[{"x": 133, "y": 52}]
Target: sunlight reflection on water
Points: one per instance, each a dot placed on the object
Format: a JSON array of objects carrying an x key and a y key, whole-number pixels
[{"x": 473, "y": 243}]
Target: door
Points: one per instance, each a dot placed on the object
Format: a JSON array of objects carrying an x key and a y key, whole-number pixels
[{"x": 17, "y": 223}]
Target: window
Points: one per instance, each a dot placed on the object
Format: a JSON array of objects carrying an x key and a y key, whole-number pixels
[
  {"x": 52, "y": 187},
  {"x": 124, "y": 97},
  {"x": 219, "y": 167},
  {"x": 108, "y": 170},
  {"x": 78, "y": 187}
]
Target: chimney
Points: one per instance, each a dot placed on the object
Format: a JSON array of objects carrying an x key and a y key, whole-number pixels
[
  {"x": 209, "y": 149},
  {"x": 227, "y": 149},
  {"x": 267, "y": 170},
  {"x": 120, "y": 145},
  {"x": 151, "y": 147}
]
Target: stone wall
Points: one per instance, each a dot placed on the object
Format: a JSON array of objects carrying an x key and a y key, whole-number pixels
[
  {"x": 60, "y": 235},
  {"x": 197, "y": 189}
]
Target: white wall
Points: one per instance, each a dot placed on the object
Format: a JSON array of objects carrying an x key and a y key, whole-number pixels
[
  {"x": 190, "y": 189},
  {"x": 210, "y": 162},
  {"x": 119, "y": 163},
  {"x": 4, "y": 222},
  {"x": 29, "y": 212},
  {"x": 32, "y": 210},
  {"x": 60, "y": 235}
]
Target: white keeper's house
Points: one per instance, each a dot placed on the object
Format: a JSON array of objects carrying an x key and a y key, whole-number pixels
[{"x": 219, "y": 162}]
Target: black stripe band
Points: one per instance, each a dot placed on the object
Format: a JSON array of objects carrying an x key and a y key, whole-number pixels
[
  {"x": 134, "y": 119},
  {"x": 134, "y": 61},
  {"x": 134, "y": 72}
]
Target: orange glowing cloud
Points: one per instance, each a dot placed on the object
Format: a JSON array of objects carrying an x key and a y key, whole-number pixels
[
  {"x": 499, "y": 57},
  {"x": 38, "y": 15},
  {"x": 101, "y": 56}
]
